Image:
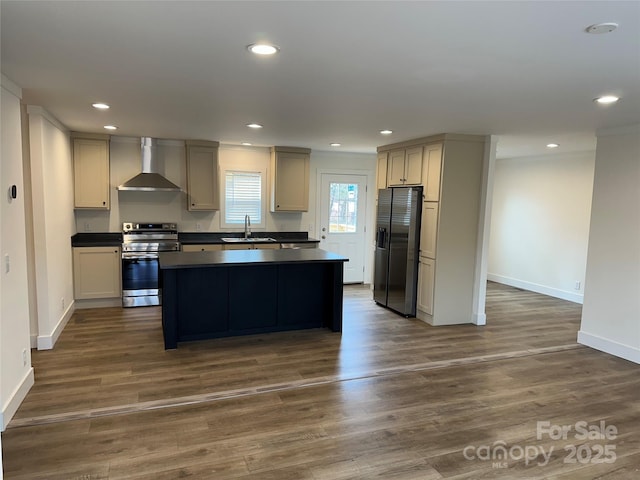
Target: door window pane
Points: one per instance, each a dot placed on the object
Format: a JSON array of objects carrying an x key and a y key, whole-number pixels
[{"x": 343, "y": 207}]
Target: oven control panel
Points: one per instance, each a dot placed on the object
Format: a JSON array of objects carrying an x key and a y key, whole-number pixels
[{"x": 149, "y": 227}]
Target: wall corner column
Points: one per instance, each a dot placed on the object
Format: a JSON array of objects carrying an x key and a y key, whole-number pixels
[
  {"x": 611, "y": 310},
  {"x": 484, "y": 228}
]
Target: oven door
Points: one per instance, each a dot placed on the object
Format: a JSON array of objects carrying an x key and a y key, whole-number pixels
[{"x": 140, "y": 279}]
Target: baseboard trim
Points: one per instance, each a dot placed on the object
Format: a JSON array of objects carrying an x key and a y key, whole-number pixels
[
  {"x": 98, "y": 303},
  {"x": 46, "y": 342},
  {"x": 535, "y": 287},
  {"x": 609, "y": 346},
  {"x": 480, "y": 318},
  {"x": 34, "y": 341},
  {"x": 425, "y": 317},
  {"x": 475, "y": 319},
  {"x": 11, "y": 407}
]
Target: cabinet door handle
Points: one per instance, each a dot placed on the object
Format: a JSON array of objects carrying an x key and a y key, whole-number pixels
[{"x": 104, "y": 203}]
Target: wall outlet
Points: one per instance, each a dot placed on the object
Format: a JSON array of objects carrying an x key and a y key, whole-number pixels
[
  {"x": 577, "y": 285},
  {"x": 87, "y": 227},
  {"x": 24, "y": 357},
  {"x": 62, "y": 303},
  {"x": 198, "y": 227}
]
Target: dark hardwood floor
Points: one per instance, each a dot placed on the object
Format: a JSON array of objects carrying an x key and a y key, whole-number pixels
[{"x": 389, "y": 398}]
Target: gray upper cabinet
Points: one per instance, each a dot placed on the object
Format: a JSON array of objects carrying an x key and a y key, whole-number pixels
[
  {"x": 202, "y": 175},
  {"x": 289, "y": 179},
  {"x": 91, "y": 171},
  {"x": 431, "y": 172},
  {"x": 381, "y": 172},
  {"x": 404, "y": 167}
]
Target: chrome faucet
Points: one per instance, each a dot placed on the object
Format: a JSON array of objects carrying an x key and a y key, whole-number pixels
[{"x": 247, "y": 226}]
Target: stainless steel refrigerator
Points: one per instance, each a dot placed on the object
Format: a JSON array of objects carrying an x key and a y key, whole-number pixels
[{"x": 397, "y": 249}]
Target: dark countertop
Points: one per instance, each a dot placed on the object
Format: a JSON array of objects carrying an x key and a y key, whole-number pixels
[
  {"x": 114, "y": 239},
  {"x": 225, "y": 258},
  {"x": 106, "y": 239},
  {"x": 203, "y": 238}
]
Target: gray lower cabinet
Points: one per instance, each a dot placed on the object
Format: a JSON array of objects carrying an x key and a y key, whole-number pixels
[{"x": 97, "y": 272}]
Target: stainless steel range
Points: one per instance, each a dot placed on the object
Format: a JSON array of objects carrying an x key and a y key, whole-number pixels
[{"x": 141, "y": 243}]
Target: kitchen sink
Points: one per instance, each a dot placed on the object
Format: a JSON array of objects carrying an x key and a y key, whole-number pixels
[{"x": 248, "y": 240}]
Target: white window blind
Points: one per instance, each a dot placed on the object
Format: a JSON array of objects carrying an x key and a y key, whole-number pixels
[{"x": 243, "y": 196}]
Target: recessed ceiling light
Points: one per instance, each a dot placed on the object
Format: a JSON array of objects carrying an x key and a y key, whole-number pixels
[
  {"x": 335, "y": 144},
  {"x": 263, "y": 49},
  {"x": 110, "y": 127},
  {"x": 386, "y": 132},
  {"x": 100, "y": 106},
  {"x": 602, "y": 28},
  {"x": 553, "y": 145},
  {"x": 246, "y": 144},
  {"x": 254, "y": 125},
  {"x": 606, "y": 99}
]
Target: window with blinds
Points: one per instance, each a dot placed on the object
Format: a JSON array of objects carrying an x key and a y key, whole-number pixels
[{"x": 243, "y": 196}]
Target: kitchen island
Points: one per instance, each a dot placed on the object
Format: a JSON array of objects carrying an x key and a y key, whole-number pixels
[{"x": 241, "y": 292}]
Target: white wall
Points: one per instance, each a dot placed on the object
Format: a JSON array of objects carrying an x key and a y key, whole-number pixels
[
  {"x": 611, "y": 311},
  {"x": 540, "y": 223},
  {"x": 53, "y": 226},
  {"x": 15, "y": 360}
]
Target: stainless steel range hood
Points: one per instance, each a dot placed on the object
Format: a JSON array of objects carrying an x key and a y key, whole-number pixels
[{"x": 150, "y": 180}]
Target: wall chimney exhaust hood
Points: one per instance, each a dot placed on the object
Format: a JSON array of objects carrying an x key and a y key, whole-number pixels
[{"x": 149, "y": 180}]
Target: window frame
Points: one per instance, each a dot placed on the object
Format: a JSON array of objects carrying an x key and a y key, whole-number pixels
[{"x": 263, "y": 199}]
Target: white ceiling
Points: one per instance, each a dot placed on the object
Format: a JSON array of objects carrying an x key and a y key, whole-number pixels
[{"x": 524, "y": 71}]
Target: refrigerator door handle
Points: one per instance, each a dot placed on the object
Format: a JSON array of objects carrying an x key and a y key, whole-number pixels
[{"x": 382, "y": 238}]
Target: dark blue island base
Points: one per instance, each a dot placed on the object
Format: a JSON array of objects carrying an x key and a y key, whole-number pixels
[{"x": 241, "y": 292}]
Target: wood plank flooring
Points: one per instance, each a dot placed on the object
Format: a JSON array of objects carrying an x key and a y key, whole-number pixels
[{"x": 389, "y": 398}]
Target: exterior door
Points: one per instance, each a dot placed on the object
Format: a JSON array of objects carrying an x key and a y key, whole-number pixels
[{"x": 342, "y": 218}]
